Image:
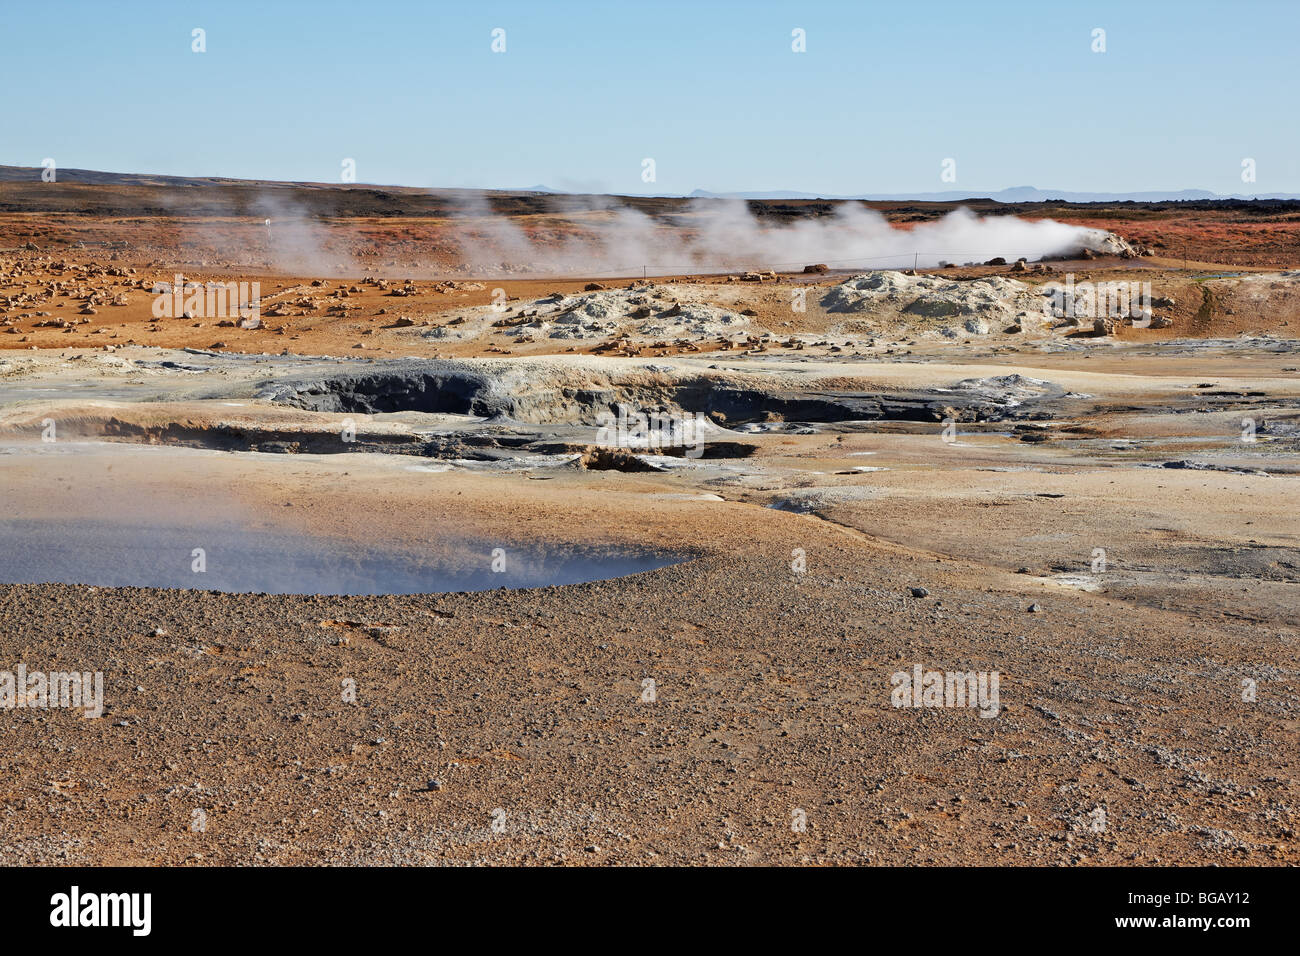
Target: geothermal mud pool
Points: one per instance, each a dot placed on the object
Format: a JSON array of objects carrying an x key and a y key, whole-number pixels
[{"x": 69, "y": 518}]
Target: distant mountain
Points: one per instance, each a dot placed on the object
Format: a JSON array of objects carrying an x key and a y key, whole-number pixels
[
  {"x": 1015, "y": 194},
  {"x": 92, "y": 177}
]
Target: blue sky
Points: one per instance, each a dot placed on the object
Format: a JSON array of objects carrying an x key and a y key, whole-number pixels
[{"x": 711, "y": 91}]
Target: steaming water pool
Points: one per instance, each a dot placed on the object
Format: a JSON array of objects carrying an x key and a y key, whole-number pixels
[
  {"x": 110, "y": 554},
  {"x": 118, "y": 515}
]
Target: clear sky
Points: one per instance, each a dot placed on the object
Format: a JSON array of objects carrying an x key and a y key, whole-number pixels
[{"x": 712, "y": 92}]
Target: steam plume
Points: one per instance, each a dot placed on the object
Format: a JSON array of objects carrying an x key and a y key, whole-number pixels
[{"x": 604, "y": 239}]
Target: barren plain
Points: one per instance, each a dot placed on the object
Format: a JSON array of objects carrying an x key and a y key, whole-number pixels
[{"x": 893, "y": 467}]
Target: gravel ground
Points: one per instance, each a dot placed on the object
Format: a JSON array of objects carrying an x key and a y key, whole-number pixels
[{"x": 520, "y": 727}]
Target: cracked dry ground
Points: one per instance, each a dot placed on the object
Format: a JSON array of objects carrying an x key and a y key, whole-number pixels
[{"x": 772, "y": 696}]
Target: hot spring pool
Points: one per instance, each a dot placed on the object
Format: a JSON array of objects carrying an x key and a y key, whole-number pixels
[{"x": 108, "y": 554}]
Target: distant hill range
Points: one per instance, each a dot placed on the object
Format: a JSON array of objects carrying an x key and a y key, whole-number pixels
[
  {"x": 1016, "y": 194},
  {"x": 88, "y": 192}
]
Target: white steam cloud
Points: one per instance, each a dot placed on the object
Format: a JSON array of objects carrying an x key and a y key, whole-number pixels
[
  {"x": 594, "y": 237},
  {"x": 569, "y": 235},
  {"x": 297, "y": 243}
]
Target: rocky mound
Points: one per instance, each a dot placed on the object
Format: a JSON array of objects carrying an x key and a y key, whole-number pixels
[
  {"x": 642, "y": 310},
  {"x": 972, "y": 307}
]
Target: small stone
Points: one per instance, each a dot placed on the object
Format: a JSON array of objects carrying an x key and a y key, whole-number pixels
[
  {"x": 1035, "y": 608},
  {"x": 919, "y": 592}
]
